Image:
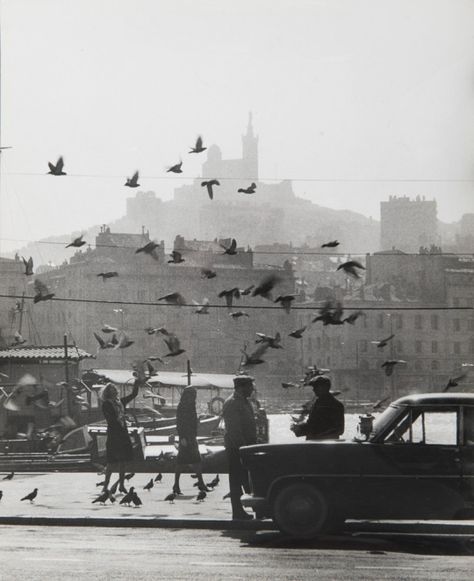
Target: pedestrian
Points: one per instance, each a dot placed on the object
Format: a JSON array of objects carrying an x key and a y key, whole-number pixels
[
  {"x": 119, "y": 448},
  {"x": 326, "y": 417},
  {"x": 188, "y": 450},
  {"x": 240, "y": 430}
]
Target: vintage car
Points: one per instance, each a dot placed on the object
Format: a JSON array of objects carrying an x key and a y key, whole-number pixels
[{"x": 416, "y": 462}]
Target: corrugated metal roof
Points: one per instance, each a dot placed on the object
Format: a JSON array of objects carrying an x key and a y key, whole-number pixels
[
  {"x": 172, "y": 378},
  {"x": 52, "y": 353}
]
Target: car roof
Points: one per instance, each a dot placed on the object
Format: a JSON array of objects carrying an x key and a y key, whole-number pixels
[{"x": 436, "y": 398}]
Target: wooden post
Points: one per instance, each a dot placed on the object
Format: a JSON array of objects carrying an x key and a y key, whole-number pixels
[
  {"x": 188, "y": 364},
  {"x": 21, "y": 312}
]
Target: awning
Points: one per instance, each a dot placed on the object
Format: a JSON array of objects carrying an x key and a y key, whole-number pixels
[
  {"x": 48, "y": 353},
  {"x": 172, "y": 378}
]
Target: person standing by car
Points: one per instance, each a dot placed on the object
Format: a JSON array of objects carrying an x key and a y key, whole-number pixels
[
  {"x": 188, "y": 449},
  {"x": 326, "y": 417},
  {"x": 119, "y": 448},
  {"x": 240, "y": 430}
]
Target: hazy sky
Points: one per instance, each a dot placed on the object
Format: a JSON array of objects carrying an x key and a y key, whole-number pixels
[{"x": 340, "y": 90}]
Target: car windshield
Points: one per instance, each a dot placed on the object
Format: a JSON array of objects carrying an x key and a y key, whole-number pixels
[{"x": 384, "y": 419}]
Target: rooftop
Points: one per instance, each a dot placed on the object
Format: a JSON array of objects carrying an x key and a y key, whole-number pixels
[{"x": 50, "y": 353}]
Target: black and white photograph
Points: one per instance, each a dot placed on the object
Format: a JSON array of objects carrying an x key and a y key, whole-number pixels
[{"x": 236, "y": 290}]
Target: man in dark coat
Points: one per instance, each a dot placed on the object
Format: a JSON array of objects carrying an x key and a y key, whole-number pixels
[
  {"x": 240, "y": 430},
  {"x": 326, "y": 417}
]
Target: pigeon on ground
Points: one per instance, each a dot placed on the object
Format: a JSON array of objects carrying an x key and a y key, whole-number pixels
[
  {"x": 127, "y": 499},
  {"x": 31, "y": 496},
  {"x": 104, "y": 497},
  {"x": 208, "y": 273},
  {"x": 201, "y": 496},
  {"x": 173, "y": 345},
  {"x": 198, "y": 148},
  {"x": 231, "y": 249},
  {"x": 77, "y": 242},
  {"x": 133, "y": 181},
  {"x": 226, "y": 496},
  {"x": 214, "y": 482},
  {"x": 28, "y": 265},
  {"x": 57, "y": 170},
  {"x": 176, "y": 257},
  {"x": 383, "y": 342},
  {"x": 9, "y": 476},
  {"x": 115, "y": 485},
  {"x": 149, "y": 248},
  {"x": 1, "y": 494},
  {"x": 149, "y": 485},
  {"x": 285, "y": 301},
  {"x": 250, "y": 190},
  {"x": 229, "y": 296},
  {"x": 137, "y": 501},
  {"x": 42, "y": 292},
  {"x": 390, "y": 364},
  {"x": 298, "y": 334},
  {"x": 265, "y": 287},
  {"x": 159, "y": 477},
  {"x": 171, "y": 497},
  {"x": 331, "y": 244},
  {"x": 173, "y": 299},
  {"x": 350, "y": 267},
  {"x": 238, "y": 314},
  {"x": 175, "y": 168},
  {"x": 106, "y": 275},
  {"x": 209, "y": 185}
]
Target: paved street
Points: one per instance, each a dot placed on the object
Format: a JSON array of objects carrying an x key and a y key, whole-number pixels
[{"x": 53, "y": 553}]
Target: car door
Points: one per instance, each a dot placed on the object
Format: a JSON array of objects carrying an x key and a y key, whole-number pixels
[
  {"x": 415, "y": 472},
  {"x": 467, "y": 453}
]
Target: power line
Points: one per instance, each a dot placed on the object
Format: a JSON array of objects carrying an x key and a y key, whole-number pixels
[{"x": 244, "y": 306}]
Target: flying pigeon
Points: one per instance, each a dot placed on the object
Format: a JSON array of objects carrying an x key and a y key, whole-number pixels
[
  {"x": 265, "y": 287},
  {"x": 9, "y": 476},
  {"x": 208, "y": 273},
  {"x": 77, "y": 242},
  {"x": 286, "y": 385},
  {"x": 254, "y": 358},
  {"x": 350, "y": 266},
  {"x": 173, "y": 345},
  {"x": 272, "y": 342},
  {"x": 176, "y": 257},
  {"x": 250, "y": 190},
  {"x": 173, "y": 299},
  {"x": 108, "y": 329},
  {"x": 149, "y": 248},
  {"x": 330, "y": 313},
  {"x": 106, "y": 275},
  {"x": 156, "y": 330},
  {"x": 298, "y": 334},
  {"x": 383, "y": 342},
  {"x": 28, "y": 265},
  {"x": 453, "y": 382},
  {"x": 176, "y": 168},
  {"x": 209, "y": 185},
  {"x": 42, "y": 292},
  {"x": 198, "y": 148},
  {"x": 331, "y": 244},
  {"x": 31, "y": 496},
  {"x": 246, "y": 291},
  {"x": 232, "y": 249},
  {"x": 133, "y": 181},
  {"x": 229, "y": 296},
  {"x": 105, "y": 344},
  {"x": 352, "y": 318},
  {"x": 390, "y": 364},
  {"x": 124, "y": 341},
  {"x": 285, "y": 301},
  {"x": 202, "y": 309},
  {"x": 57, "y": 170},
  {"x": 380, "y": 403},
  {"x": 237, "y": 314}
]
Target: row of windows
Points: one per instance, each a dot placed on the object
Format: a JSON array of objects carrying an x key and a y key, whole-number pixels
[
  {"x": 417, "y": 322},
  {"x": 416, "y": 365}
]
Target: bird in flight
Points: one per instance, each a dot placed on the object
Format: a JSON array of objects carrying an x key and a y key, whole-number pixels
[
  {"x": 173, "y": 345},
  {"x": 173, "y": 299},
  {"x": 123, "y": 342},
  {"x": 202, "y": 309},
  {"x": 230, "y": 295},
  {"x": 133, "y": 181},
  {"x": 149, "y": 248},
  {"x": 77, "y": 242},
  {"x": 106, "y": 275},
  {"x": 298, "y": 334},
  {"x": 352, "y": 318},
  {"x": 390, "y": 364},
  {"x": 42, "y": 292},
  {"x": 265, "y": 287},
  {"x": 330, "y": 313},
  {"x": 285, "y": 301},
  {"x": 127, "y": 499},
  {"x": 9, "y": 476},
  {"x": 231, "y": 249},
  {"x": 272, "y": 342},
  {"x": 209, "y": 185},
  {"x": 28, "y": 265},
  {"x": 108, "y": 329},
  {"x": 383, "y": 342},
  {"x": 454, "y": 382},
  {"x": 237, "y": 314},
  {"x": 208, "y": 273},
  {"x": 250, "y": 190},
  {"x": 247, "y": 291},
  {"x": 176, "y": 257},
  {"x": 198, "y": 148},
  {"x": 176, "y": 168},
  {"x": 105, "y": 344},
  {"x": 254, "y": 358},
  {"x": 350, "y": 267},
  {"x": 331, "y": 244},
  {"x": 57, "y": 170}
]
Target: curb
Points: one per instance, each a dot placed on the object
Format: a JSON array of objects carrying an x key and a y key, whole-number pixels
[{"x": 166, "y": 523}]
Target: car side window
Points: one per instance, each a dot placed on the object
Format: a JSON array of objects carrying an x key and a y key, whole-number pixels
[
  {"x": 469, "y": 426},
  {"x": 426, "y": 427}
]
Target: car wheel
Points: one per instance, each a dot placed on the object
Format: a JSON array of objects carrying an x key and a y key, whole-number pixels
[{"x": 301, "y": 510}]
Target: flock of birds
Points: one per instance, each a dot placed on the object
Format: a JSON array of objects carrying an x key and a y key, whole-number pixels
[{"x": 130, "y": 496}]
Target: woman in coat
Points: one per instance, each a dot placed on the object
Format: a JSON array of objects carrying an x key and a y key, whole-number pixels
[
  {"x": 119, "y": 448},
  {"x": 188, "y": 450}
]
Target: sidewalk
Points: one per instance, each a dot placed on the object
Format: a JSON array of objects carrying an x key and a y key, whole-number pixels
[{"x": 66, "y": 499}]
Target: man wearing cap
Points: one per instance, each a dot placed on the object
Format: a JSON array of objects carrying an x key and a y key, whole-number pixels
[
  {"x": 326, "y": 417},
  {"x": 240, "y": 430}
]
